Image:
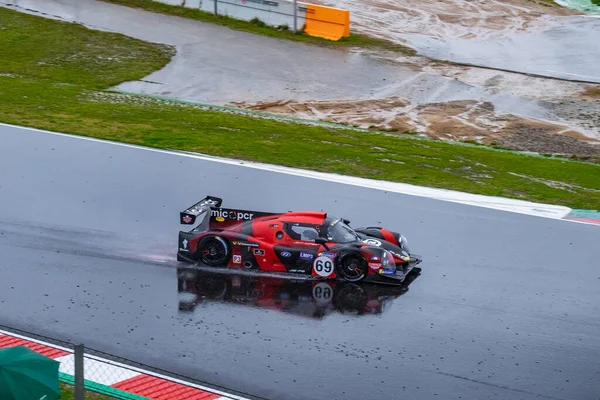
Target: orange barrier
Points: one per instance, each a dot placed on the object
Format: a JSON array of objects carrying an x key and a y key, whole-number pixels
[{"x": 326, "y": 22}]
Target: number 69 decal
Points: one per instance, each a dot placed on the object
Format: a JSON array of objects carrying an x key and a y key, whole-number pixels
[{"x": 323, "y": 266}]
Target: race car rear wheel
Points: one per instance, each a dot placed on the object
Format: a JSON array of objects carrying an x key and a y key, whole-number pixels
[
  {"x": 213, "y": 251},
  {"x": 352, "y": 267}
]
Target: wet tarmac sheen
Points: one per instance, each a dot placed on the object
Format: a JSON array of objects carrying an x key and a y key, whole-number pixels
[{"x": 506, "y": 307}]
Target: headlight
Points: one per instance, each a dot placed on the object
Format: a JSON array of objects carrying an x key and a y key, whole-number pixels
[
  {"x": 403, "y": 243},
  {"x": 384, "y": 260},
  {"x": 387, "y": 259}
]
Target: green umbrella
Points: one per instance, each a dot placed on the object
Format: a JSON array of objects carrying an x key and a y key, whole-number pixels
[{"x": 27, "y": 375}]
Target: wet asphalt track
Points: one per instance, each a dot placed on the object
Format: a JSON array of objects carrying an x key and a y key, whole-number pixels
[{"x": 507, "y": 305}]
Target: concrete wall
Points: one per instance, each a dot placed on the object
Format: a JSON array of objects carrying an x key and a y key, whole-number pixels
[
  {"x": 173, "y": 2},
  {"x": 271, "y": 12},
  {"x": 191, "y": 3}
]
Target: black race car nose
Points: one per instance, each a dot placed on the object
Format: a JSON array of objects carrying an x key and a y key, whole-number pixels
[{"x": 415, "y": 259}]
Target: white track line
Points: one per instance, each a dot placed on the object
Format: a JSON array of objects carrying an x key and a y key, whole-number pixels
[{"x": 497, "y": 203}]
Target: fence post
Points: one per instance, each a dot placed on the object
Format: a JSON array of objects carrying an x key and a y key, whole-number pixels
[
  {"x": 79, "y": 372},
  {"x": 216, "y": 1},
  {"x": 295, "y": 16}
]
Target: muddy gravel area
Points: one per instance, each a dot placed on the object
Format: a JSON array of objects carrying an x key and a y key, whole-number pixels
[
  {"x": 466, "y": 120},
  {"x": 527, "y": 137},
  {"x": 446, "y": 19}
]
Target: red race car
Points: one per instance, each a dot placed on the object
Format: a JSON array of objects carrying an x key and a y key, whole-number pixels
[{"x": 307, "y": 243}]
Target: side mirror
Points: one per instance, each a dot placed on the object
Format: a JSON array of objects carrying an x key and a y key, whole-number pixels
[{"x": 323, "y": 241}]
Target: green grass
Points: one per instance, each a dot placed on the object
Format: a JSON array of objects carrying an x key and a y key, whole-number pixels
[
  {"x": 68, "y": 393},
  {"x": 549, "y": 3},
  {"x": 52, "y": 75},
  {"x": 258, "y": 27},
  {"x": 596, "y": 2}
]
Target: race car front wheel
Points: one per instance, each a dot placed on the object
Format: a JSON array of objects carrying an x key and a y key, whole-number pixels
[
  {"x": 353, "y": 267},
  {"x": 213, "y": 251}
]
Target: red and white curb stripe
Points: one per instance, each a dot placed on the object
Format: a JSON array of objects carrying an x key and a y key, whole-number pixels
[{"x": 118, "y": 376}]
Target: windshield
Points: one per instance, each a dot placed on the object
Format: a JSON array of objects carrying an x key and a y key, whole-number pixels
[{"x": 338, "y": 231}]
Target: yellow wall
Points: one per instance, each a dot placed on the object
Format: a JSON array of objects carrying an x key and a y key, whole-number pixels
[{"x": 326, "y": 22}]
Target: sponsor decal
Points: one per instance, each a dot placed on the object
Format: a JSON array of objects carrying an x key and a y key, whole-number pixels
[
  {"x": 374, "y": 258},
  {"x": 326, "y": 254},
  {"x": 387, "y": 272},
  {"x": 237, "y": 259},
  {"x": 306, "y": 256},
  {"x": 323, "y": 266},
  {"x": 187, "y": 219},
  {"x": 274, "y": 226},
  {"x": 259, "y": 252},
  {"x": 374, "y": 266},
  {"x": 404, "y": 255},
  {"x": 184, "y": 249},
  {"x": 231, "y": 215},
  {"x": 372, "y": 242},
  {"x": 285, "y": 254},
  {"x": 309, "y": 244},
  {"x": 220, "y": 219},
  {"x": 244, "y": 244}
]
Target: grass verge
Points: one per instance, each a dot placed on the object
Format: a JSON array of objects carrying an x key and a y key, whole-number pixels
[
  {"x": 551, "y": 3},
  {"x": 68, "y": 393},
  {"x": 53, "y": 75},
  {"x": 258, "y": 27}
]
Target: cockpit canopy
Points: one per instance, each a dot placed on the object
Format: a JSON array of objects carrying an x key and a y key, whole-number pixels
[{"x": 336, "y": 230}]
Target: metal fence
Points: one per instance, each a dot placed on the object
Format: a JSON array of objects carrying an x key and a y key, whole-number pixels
[{"x": 88, "y": 369}]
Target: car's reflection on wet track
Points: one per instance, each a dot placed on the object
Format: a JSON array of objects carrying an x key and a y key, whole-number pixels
[{"x": 307, "y": 298}]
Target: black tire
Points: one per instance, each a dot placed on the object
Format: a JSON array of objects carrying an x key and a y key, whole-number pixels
[
  {"x": 213, "y": 251},
  {"x": 352, "y": 267}
]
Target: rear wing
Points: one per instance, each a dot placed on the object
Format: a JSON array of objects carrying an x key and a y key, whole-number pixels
[{"x": 189, "y": 215}]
